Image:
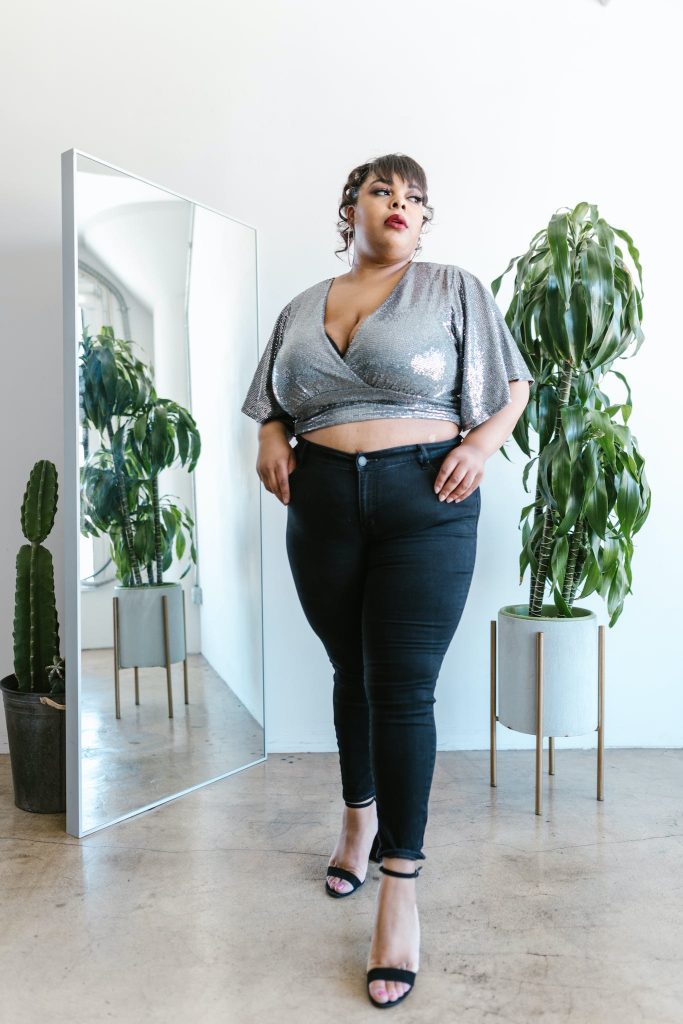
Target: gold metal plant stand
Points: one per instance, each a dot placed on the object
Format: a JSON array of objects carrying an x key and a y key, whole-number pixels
[
  {"x": 164, "y": 615},
  {"x": 539, "y": 714}
]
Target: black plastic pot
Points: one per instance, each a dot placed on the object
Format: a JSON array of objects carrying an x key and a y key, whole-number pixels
[{"x": 37, "y": 745}]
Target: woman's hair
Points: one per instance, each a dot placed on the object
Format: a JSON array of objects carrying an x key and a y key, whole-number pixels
[{"x": 384, "y": 167}]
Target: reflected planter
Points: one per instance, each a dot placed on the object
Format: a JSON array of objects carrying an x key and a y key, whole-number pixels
[
  {"x": 140, "y": 625},
  {"x": 570, "y": 670},
  {"x": 36, "y": 733}
]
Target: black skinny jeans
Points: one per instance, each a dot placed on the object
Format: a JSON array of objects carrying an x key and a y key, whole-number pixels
[{"x": 382, "y": 569}]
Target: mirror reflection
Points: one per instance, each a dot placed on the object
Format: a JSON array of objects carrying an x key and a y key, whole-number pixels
[{"x": 171, "y": 674}]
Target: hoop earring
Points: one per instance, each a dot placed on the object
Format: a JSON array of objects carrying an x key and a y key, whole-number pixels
[{"x": 348, "y": 248}]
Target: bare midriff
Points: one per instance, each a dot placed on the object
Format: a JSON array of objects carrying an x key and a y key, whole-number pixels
[{"x": 371, "y": 435}]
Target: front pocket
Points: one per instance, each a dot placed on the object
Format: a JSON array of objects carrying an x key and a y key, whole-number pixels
[
  {"x": 299, "y": 451},
  {"x": 436, "y": 461}
]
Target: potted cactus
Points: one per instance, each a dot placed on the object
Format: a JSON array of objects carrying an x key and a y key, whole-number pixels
[
  {"x": 33, "y": 693},
  {"x": 576, "y": 309}
]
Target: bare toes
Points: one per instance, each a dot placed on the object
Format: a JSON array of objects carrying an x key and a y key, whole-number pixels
[
  {"x": 338, "y": 884},
  {"x": 387, "y": 991},
  {"x": 378, "y": 991}
]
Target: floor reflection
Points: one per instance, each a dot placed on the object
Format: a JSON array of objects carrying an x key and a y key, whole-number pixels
[{"x": 145, "y": 755}]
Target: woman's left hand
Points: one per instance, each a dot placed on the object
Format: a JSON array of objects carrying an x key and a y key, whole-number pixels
[{"x": 460, "y": 473}]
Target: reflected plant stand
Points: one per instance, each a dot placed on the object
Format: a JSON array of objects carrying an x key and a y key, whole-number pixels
[
  {"x": 539, "y": 715},
  {"x": 171, "y": 647}
]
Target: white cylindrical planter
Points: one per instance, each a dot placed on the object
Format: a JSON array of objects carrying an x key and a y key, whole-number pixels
[
  {"x": 570, "y": 670},
  {"x": 141, "y": 625}
]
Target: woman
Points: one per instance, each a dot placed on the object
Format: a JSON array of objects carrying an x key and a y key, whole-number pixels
[{"x": 375, "y": 373}]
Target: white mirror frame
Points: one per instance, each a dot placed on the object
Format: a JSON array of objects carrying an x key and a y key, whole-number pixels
[{"x": 70, "y": 502}]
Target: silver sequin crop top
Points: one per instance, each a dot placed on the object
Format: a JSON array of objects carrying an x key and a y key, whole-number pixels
[{"x": 438, "y": 348}]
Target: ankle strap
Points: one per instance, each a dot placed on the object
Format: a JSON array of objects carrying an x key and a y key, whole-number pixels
[
  {"x": 400, "y": 874},
  {"x": 366, "y": 804}
]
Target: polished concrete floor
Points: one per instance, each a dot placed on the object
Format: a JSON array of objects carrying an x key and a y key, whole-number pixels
[{"x": 211, "y": 908}]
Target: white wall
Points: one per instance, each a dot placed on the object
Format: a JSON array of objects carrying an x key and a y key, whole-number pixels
[
  {"x": 222, "y": 322},
  {"x": 260, "y": 110}
]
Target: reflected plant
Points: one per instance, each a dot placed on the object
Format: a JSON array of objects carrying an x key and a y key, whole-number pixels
[
  {"x": 120, "y": 480},
  {"x": 113, "y": 385}
]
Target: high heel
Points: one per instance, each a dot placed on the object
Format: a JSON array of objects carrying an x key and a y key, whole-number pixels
[
  {"x": 393, "y": 973},
  {"x": 347, "y": 875},
  {"x": 374, "y": 852}
]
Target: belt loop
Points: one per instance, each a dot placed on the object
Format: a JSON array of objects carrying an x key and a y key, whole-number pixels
[{"x": 422, "y": 457}]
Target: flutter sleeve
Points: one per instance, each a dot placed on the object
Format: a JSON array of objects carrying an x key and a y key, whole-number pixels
[
  {"x": 490, "y": 357},
  {"x": 260, "y": 402}
]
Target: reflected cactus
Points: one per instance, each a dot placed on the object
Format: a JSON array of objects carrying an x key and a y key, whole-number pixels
[{"x": 36, "y": 628}]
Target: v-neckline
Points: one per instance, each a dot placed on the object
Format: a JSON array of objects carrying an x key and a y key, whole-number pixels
[{"x": 343, "y": 355}]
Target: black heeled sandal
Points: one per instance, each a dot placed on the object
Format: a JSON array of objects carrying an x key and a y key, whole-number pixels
[
  {"x": 393, "y": 973},
  {"x": 347, "y": 875}
]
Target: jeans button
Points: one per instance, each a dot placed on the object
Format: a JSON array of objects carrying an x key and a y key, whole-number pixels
[{"x": 362, "y": 461}]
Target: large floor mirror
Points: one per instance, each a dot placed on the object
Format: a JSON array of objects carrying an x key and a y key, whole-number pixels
[{"x": 163, "y": 631}]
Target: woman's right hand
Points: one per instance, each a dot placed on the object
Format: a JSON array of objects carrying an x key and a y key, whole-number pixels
[{"x": 276, "y": 459}]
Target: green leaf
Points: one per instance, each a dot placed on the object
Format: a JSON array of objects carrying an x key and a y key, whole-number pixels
[
  {"x": 628, "y": 500},
  {"x": 559, "y": 251}
]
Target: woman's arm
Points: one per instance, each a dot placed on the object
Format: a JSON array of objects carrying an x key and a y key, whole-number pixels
[
  {"x": 463, "y": 469},
  {"x": 276, "y": 459},
  {"x": 490, "y": 435}
]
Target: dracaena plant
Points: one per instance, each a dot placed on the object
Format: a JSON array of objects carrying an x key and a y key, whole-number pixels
[
  {"x": 575, "y": 311},
  {"x": 142, "y": 434}
]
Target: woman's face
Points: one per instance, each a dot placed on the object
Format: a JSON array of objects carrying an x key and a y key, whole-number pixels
[{"x": 377, "y": 201}]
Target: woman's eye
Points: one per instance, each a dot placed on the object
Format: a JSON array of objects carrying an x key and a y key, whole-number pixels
[{"x": 378, "y": 190}]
